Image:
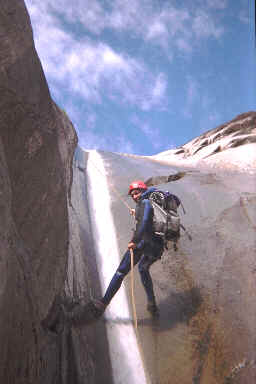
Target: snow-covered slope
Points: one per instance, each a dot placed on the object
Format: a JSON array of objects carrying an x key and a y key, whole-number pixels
[{"x": 230, "y": 146}]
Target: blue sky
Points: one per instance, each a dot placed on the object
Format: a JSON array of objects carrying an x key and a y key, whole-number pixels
[{"x": 144, "y": 76}]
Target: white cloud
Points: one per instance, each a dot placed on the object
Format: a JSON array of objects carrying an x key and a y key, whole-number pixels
[
  {"x": 184, "y": 45},
  {"x": 217, "y": 4},
  {"x": 93, "y": 70},
  {"x": 126, "y": 14},
  {"x": 88, "y": 12},
  {"x": 122, "y": 145},
  {"x": 157, "y": 29},
  {"x": 111, "y": 58},
  {"x": 157, "y": 94},
  {"x": 204, "y": 26},
  {"x": 162, "y": 25},
  {"x": 160, "y": 87},
  {"x": 92, "y": 140},
  {"x": 244, "y": 16},
  {"x": 169, "y": 28},
  {"x": 152, "y": 133}
]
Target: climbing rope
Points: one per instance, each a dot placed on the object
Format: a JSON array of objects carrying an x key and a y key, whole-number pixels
[{"x": 132, "y": 291}]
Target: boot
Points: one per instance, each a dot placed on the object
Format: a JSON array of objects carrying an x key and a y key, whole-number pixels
[
  {"x": 98, "y": 307},
  {"x": 152, "y": 308},
  {"x": 84, "y": 313}
]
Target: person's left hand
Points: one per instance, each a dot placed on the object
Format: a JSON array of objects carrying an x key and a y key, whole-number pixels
[
  {"x": 132, "y": 212},
  {"x": 132, "y": 245}
]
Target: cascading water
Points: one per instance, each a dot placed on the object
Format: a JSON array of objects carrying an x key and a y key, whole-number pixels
[{"x": 125, "y": 357}]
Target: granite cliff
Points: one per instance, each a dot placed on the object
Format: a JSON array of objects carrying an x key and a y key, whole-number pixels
[
  {"x": 37, "y": 143},
  {"x": 56, "y": 231}
]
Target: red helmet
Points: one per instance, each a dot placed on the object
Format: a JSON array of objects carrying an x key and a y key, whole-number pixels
[{"x": 137, "y": 185}]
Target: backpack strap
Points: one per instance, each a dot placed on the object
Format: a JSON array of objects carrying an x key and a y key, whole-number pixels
[
  {"x": 183, "y": 208},
  {"x": 178, "y": 201},
  {"x": 184, "y": 229}
]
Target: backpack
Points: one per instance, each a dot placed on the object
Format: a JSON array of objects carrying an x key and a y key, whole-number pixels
[{"x": 166, "y": 221}]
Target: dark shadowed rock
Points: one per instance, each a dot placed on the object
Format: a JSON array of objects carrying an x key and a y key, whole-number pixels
[
  {"x": 37, "y": 142},
  {"x": 50, "y": 242},
  {"x": 155, "y": 180}
]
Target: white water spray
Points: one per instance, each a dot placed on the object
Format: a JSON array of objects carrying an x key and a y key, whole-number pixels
[{"x": 124, "y": 353}]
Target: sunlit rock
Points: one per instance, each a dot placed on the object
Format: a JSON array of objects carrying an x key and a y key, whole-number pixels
[
  {"x": 205, "y": 290},
  {"x": 64, "y": 226}
]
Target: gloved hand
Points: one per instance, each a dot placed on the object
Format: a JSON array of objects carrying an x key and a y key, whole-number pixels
[{"x": 132, "y": 245}]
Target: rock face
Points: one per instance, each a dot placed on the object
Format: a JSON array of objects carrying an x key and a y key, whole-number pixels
[
  {"x": 205, "y": 333},
  {"x": 36, "y": 145},
  {"x": 50, "y": 244}
]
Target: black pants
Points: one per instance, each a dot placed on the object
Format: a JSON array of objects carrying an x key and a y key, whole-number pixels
[{"x": 145, "y": 255}]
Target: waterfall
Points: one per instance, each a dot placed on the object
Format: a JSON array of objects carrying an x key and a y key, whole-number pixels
[{"x": 125, "y": 358}]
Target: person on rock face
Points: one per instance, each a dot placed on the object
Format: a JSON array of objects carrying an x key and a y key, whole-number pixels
[{"x": 146, "y": 245}]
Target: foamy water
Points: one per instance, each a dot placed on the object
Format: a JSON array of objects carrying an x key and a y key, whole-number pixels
[{"x": 124, "y": 353}]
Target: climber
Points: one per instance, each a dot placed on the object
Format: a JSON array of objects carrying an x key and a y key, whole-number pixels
[{"x": 147, "y": 247}]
